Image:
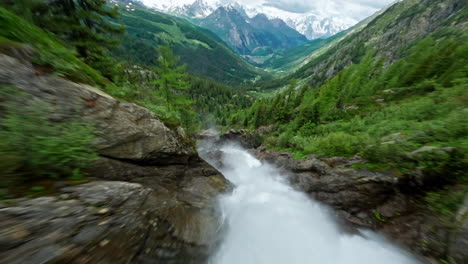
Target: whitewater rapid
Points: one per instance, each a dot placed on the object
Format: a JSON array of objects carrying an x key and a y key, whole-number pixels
[{"x": 268, "y": 222}]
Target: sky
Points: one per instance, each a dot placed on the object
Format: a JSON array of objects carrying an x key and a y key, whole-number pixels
[{"x": 353, "y": 9}]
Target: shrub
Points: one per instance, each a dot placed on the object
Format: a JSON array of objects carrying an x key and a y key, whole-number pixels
[
  {"x": 445, "y": 202},
  {"x": 35, "y": 147},
  {"x": 337, "y": 144}
]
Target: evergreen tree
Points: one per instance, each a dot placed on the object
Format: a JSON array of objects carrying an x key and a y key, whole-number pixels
[
  {"x": 172, "y": 78},
  {"x": 90, "y": 32},
  {"x": 81, "y": 24}
]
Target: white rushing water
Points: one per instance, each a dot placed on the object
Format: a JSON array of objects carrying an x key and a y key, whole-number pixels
[{"x": 268, "y": 222}]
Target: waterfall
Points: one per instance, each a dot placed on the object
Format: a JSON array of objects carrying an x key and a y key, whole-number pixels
[{"x": 268, "y": 222}]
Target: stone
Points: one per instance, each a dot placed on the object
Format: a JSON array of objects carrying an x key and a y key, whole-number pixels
[
  {"x": 126, "y": 131},
  {"x": 458, "y": 243},
  {"x": 173, "y": 229}
]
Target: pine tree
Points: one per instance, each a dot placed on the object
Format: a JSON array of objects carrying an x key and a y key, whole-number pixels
[{"x": 172, "y": 78}]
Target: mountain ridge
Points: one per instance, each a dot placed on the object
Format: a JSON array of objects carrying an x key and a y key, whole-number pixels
[
  {"x": 311, "y": 25},
  {"x": 247, "y": 35}
]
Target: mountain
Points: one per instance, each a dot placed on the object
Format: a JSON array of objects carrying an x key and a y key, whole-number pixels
[
  {"x": 390, "y": 34},
  {"x": 257, "y": 35},
  {"x": 203, "y": 52},
  {"x": 311, "y": 24},
  {"x": 197, "y": 9},
  {"x": 288, "y": 61},
  {"x": 314, "y": 27}
]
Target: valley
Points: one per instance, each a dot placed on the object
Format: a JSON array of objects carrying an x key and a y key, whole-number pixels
[{"x": 206, "y": 131}]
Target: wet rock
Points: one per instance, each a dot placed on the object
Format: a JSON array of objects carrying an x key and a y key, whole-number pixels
[
  {"x": 244, "y": 137},
  {"x": 144, "y": 226},
  {"x": 324, "y": 179}
]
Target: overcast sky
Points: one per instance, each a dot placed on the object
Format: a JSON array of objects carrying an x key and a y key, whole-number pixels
[{"x": 356, "y": 9}]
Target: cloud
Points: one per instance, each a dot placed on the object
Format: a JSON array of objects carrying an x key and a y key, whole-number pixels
[
  {"x": 358, "y": 9},
  {"x": 352, "y": 9},
  {"x": 294, "y": 6}
]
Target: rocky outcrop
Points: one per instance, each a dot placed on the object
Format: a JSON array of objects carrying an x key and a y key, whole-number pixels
[
  {"x": 329, "y": 181},
  {"x": 106, "y": 222},
  {"x": 248, "y": 139},
  {"x": 158, "y": 204}
]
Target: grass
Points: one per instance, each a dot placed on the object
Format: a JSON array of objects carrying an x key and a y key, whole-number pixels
[{"x": 50, "y": 53}]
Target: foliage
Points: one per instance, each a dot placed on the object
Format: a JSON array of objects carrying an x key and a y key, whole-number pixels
[
  {"x": 381, "y": 113},
  {"x": 445, "y": 202},
  {"x": 50, "y": 53},
  {"x": 203, "y": 52},
  {"x": 78, "y": 24},
  {"x": 35, "y": 147}
]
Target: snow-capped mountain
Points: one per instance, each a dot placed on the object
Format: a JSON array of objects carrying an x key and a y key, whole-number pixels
[
  {"x": 312, "y": 24},
  {"x": 197, "y": 9},
  {"x": 314, "y": 27},
  {"x": 257, "y": 36}
]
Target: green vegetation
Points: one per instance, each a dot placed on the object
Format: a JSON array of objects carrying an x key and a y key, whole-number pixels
[
  {"x": 289, "y": 60},
  {"x": 15, "y": 31},
  {"x": 446, "y": 202},
  {"x": 203, "y": 52},
  {"x": 383, "y": 114},
  {"x": 192, "y": 103},
  {"x": 80, "y": 25},
  {"x": 188, "y": 107},
  {"x": 34, "y": 147}
]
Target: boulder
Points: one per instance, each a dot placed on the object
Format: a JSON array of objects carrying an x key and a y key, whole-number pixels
[{"x": 110, "y": 222}]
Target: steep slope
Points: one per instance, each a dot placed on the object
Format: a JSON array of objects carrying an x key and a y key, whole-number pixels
[
  {"x": 286, "y": 62},
  {"x": 390, "y": 34},
  {"x": 248, "y": 36},
  {"x": 203, "y": 52}
]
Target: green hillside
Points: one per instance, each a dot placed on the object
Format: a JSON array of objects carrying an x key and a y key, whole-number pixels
[
  {"x": 203, "y": 52},
  {"x": 286, "y": 62},
  {"x": 380, "y": 94}
]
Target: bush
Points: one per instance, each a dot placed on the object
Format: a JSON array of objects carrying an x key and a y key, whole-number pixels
[
  {"x": 35, "y": 147},
  {"x": 337, "y": 144},
  {"x": 445, "y": 202}
]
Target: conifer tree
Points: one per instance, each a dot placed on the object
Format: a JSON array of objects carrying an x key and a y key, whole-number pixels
[
  {"x": 81, "y": 24},
  {"x": 172, "y": 78}
]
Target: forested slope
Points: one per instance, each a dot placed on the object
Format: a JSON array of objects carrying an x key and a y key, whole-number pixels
[
  {"x": 203, "y": 52},
  {"x": 395, "y": 93}
]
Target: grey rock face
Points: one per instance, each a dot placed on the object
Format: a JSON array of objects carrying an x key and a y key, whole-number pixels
[
  {"x": 126, "y": 131},
  {"x": 164, "y": 212},
  {"x": 343, "y": 188},
  {"x": 108, "y": 222}
]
